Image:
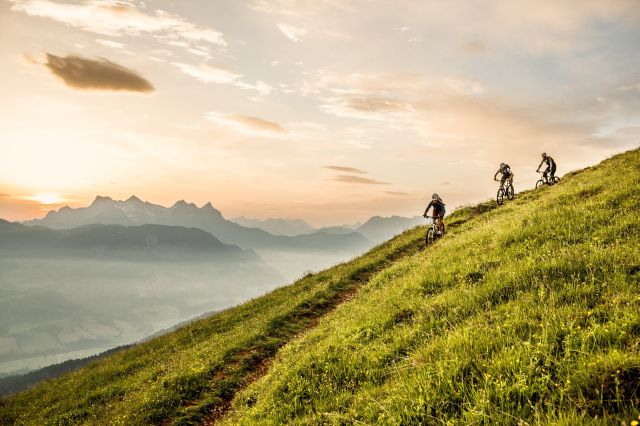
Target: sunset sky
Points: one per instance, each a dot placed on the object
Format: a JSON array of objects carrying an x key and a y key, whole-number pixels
[{"x": 330, "y": 111}]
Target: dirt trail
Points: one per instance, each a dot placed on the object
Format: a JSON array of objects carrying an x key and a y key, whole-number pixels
[{"x": 245, "y": 366}]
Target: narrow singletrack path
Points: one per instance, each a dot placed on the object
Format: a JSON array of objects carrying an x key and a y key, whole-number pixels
[{"x": 243, "y": 366}]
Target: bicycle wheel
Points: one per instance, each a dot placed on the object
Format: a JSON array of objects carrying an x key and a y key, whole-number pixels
[
  {"x": 556, "y": 179},
  {"x": 500, "y": 196},
  {"x": 510, "y": 193},
  {"x": 431, "y": 236},
  {"x": 539, "y": 183}
]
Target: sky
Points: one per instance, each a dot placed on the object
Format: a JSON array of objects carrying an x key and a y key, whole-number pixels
[{"x": 327, "y": 110}]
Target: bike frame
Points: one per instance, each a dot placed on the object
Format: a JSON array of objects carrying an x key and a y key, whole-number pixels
[
  {"x": 433, "y": 227},
  {"x": 545, "y": 178}
]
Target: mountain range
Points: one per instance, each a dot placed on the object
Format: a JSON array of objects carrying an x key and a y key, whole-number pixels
[
  {"x": 273, "y": 234},
  {"x": 134, "y": 211},
  {"x": 277, "y": 226},
  {"x": 143, "y": 241}
]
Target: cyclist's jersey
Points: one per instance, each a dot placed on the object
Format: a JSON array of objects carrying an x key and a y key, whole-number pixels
[
  {"x": 549, "y": 161},
  {"x": 438, "y": 208},
  {"x": 506, "y": 171}
]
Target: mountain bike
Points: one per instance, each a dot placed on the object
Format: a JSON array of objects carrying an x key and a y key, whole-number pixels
[
  {"x": 506, "y": 189},
  {"x": 544, "y": 180},
  {"x": 434, "y": 231}
]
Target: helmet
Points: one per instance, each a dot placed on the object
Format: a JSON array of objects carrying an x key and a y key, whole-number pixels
[
  {"x": 502, "y": 164},
  {"x": 544, "y": 155},
  {"x": 435, "y": 197}
]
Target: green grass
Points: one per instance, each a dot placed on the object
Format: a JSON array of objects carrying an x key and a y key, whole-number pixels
[
  {"x": 525, "y": 313},
  {"x": 529, "y": 314}
]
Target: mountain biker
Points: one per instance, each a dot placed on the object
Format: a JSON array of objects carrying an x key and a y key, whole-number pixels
[
  {"x": 551, "y": 167},
  {"x": 438, "y": 210},
  {"x": 506, "y": 172}
]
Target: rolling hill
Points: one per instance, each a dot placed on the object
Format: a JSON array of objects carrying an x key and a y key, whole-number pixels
[{"x": 524, "y": 314}]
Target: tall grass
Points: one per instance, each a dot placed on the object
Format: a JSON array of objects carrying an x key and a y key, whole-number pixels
[{"x": 530, "y": 314}]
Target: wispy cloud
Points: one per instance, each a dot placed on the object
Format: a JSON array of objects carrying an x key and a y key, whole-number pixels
[
  {"x": 117, "y": 18},
  {"x": 345, "y": 169},
  {"x": 365, "y": 107},
  {"x": 96, "y": 74},
  {"x": 211, "y": 74},
  {"x": 247, "y": 124},
  {"x": 398, "y": 193},
  {"x": 547, "y": 26},
  {"x": 448, "y": 112},
  {"x": 291, "y": 32},
  {"x": 630, "y": 88},
  {"x": 110, "y": 43},
  {"x": 358, "y": 180}
]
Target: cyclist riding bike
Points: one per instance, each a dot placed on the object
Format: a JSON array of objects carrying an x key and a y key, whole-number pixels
[
  {"x": 550, "y": 171},
  {"x": 438, "y": 211},
  {"x": 506, "y": 172}
]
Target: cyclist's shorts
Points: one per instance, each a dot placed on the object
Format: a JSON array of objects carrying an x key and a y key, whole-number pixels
[{"x": 438, "y": 212}]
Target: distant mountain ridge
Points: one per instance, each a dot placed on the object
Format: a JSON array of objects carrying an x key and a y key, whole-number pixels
[
  {"x": 380, "y": 229},
  {"x": 376, "y": 228},
  {"x": 118, "y": 241},
  {"x": 133, "y": 211},
  {"x": 277, "y": 226}
]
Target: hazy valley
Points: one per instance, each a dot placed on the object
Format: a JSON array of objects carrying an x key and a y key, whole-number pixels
[{"x": 81, "y": 281}]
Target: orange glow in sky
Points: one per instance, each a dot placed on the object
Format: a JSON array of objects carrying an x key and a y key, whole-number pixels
[
  {"x": 328, "y": 111},
  {"x": 47, "y": 198}
]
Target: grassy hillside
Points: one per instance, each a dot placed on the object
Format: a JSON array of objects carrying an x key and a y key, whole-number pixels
[{"x": 529, "y": 313}]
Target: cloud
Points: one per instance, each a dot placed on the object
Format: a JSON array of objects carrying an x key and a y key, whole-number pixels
[
  {"x": 210, "y": 74},
  {"x": 533, "y": 26},
  {"x": 398, "y": 193},
  {"x": 446, "y": 114},
  {"x": 630, "y": 88},
  {"x": 117, "y": 18},
  {"x": 358, "y": 180},
  {"x": 292, "y": 33},
  {"x": 247, "y": 124},
  {"x": 110, "y": 43},
  {"x": 368, "y": 107},
  {"x": 320, "y": 17},
  {"x": 96, "y": 74},
  {"x": 345, "y": 169}
]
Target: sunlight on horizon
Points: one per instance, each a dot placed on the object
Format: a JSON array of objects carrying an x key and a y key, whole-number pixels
[{"x": 48, "y": 198}]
